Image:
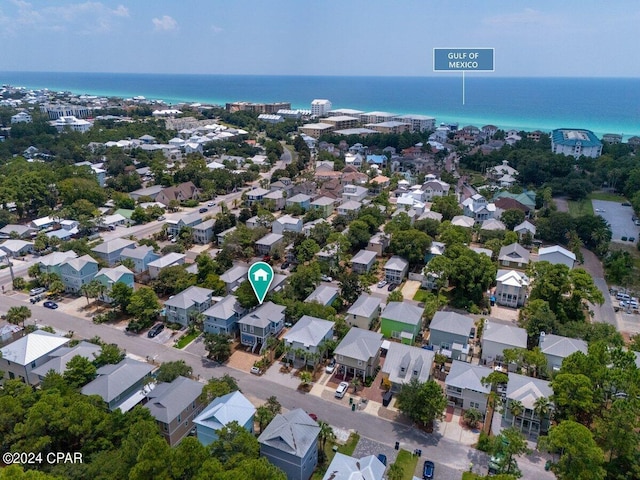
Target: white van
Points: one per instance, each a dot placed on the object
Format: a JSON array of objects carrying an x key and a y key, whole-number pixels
[
  {"x": 37, "y": 291},
  {"x": 623, "y": 296}
]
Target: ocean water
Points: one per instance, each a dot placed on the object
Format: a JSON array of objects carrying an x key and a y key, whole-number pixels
[{"x": 603, "y": 105}]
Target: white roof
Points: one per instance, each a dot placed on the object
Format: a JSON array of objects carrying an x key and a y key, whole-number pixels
[
  {"x": 467, "y": 376},
  {"x": 527, "y": 389},
  {"x": 512, "y": 278},
  {"x": 32, "y": 347},
  {"x": 309, "y": 331},
  {"x": 344, "y": 467},
  {"x": 556, "y": 249}
]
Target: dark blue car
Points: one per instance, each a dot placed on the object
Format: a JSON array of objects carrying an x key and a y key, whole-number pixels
[
  {"x": 383, "y": 459},
  {"x": 427, "y": 470}
]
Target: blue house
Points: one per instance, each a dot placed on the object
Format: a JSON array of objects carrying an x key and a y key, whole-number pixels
[
  {"x": 232, "y": 407},
  {"x": 300, "y": 199},
  {"x": 141, "y": 257},
  {"x": 223, "y": 316},
  {"x": 110, "y": 276},
  {"x": 265, "y": 321},
  {"x": 290, "y": 442}
]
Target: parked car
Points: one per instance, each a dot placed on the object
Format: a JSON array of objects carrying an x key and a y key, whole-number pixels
[
  {"x": 313, "y": 416},
  {"x": 392, "y": 287},
  {"x": 50, "y": 304},
  {"x": 155, "y": 330},
  {"x": 383, "y": 459},
  {"x": 326, "y": 278},
  {"x": 382, "y": 283},
  {"x": 35, "y": 299},
  {"x": 37, "y": 291},
  {"x": 331, "y": 366},
  {"x": 342, "y": 389},
  {"x": 626, "y": 204},
  {"x": 211, "y": 204},
  {"x": 285, "y": 265},
  {"x": 161, "y": 218},
  {"x": 203, "y": 210},
  {"x": 428, "y": 470},
  {"x": 256, "y": 370},
  {"x": 632, "y": 239}
]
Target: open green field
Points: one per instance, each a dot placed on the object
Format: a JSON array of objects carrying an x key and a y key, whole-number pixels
[
  {"x": 421, "y": 295},
  {"x": 408, "y": 462},
  {"x": 608, "y": 197},
  {"x": 583, "y": 207},
  {"x": 187, "y": 339}
]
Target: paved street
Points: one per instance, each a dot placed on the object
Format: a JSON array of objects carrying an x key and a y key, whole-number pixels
[{"x": 451, "y": 457}]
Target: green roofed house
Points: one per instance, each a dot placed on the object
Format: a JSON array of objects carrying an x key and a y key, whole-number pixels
[{"x": 402, "y": 321}]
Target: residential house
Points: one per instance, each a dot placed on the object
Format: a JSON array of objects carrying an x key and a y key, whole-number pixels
[
  {"x": 111, "y": 250},
  {"x": 175, "y": 405},
  {"x": 275, "y": 197},
  {"x": 512, "y": 288},
  {"x": 526, "y": 390},
  {"x": 324, "y": 295},
  {"x": 378, "y": 243},
  {"x": 189, "y": 220},
  {"x": 395, "y": 270},
  {"x": 492, "y": 224},
  {"x": 234, "y": 277},
  {"x": 108, "y": 277},
  {"x": 180, "y": 193},
  {"x": 514, "y": 256},
  {"x": 51, "y": 263},
  {"x": 42, "y": 223},
  {"x": 463, "y": 221},
  {"x": 497, "y": 337},
  {"x": 184, "y": 306},
  {"x": 203, "y": 232},
  {"x": 324, "y": 205},
  {"x": 364, "y": 312},
  {"x": 287, "y": 223},
  {"x": 256, "y": 195},
  {"x": 18, "y": 231},
  {"x": 504, "y": 204},
  {"x": 349, "y": 208},
  {"x": 267, "y": 244},
  {"x": 76, "y": 272},
  {"x": 363, "y": 261},
  {"x": 557, "y": 255},
  {"x": 478, "y": 208},
  {"x": 307, "y": 338},
  {"x": 20, "y": 358},
  {"x": 359, "y": 352},
  {"x": 402, "y": 321},
  {"x": 169, "y": 260},
  {"x": 223, "y": 316},
  {"x": 264, "y": 322},
  {"x": 344, "y": 467},
  {"x": 556, "y": 348},
  {"x": 62, "y": 355},
  {"x": 379, "y": 183},
  {"x": 16, "y": 248},
  {"x": 524, "y": 229},
  {"x": 302, "y": 200},
  {"x": 112, "y": 221},
  {"x": 354, "y": 193},
  {"x": 435, "y": 188},
  {"x": 140, "y": 256},
  {"x": 122, "y": 385},
  {"x": 290, "y": 442},
  {"x": 450, "y": 332},
  {"x": 220, "y": 237},
  {"x": 464, "y": 387},
  {"x": 232, "y": 407},
  {"x": 404, "y": 363}
]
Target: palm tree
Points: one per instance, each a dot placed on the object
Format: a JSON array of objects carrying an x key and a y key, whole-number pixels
[
  {"x": 542, "y": 409},
  {"x": 306, "y": 378},
  {"x": 396, "y": 472},
  {"x": 17, "y": 315},
  {"x": 516, "y": 408},
  {"x": 326, "y": 433},
  {"x": 355, "y": 383}
]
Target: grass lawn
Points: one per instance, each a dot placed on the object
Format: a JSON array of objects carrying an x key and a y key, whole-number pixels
[
  {"x": 583, "y": 207},
  {"x": 470, "y": 476},
  {"x": 187, "y": 339},
  {"x": 606, "y": 196},
  {"x": 408, "y": 462},
  {"x": 421, "y": 295},
  {"x": 346, "y": 449}
]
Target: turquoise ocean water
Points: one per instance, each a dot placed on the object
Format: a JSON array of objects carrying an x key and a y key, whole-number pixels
[{"x": 604, "y": 105}]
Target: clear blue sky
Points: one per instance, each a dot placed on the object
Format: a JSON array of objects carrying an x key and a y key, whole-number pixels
[{"x": 324, "y": 37}]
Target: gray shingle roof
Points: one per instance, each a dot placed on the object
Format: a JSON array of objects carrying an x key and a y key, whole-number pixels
[
  {"x": 225, "y": 308},
  {"x": 365, "y": 306},
  {"x": 396, "y": 263},
  {"x": 113, "y": 380},
  {"x": 410, "y": 358},
  {"x": 364, "y": 257},
  {"x": 359, "y": 344},
  {"x": 188, "y": 297},
  {"x": 293, "y": 432},
  {"x": 139, "y": 252},
  {"x": 451, "y": 322},
  {"x": 527, "y": 389},
  {"x": 62, "y": 355},
  {"x": 562, "y": 347},
  {"x": 513, "y": 252},
  {"x": 264, "y": 315},
  {"x": 114, "y": 245},
  {"x": 232, "y": 407},
  {"x": 234, "y": 273},
  {"x": 309, "y": 331},
  {"x": 505, "y": 334},
  {"x": 168, "y": 400},
  {"x": 467, "y": 376},
  {"x": 403, "y": 312},
  {"x": 323, "y": 294}
]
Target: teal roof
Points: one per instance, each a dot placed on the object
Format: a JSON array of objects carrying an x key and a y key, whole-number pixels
[{"x": 575, "y": 136}]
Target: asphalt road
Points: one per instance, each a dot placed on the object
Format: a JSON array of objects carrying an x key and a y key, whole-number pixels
[{"x": 451, "y": 457}]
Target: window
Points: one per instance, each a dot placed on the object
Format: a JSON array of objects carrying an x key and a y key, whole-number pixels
[
  {"x": 475, "y": 405},
  {"x": 179, "y": 418},
  {"x": 244, "y": 328},
  {"x": 359, "y": 363}
]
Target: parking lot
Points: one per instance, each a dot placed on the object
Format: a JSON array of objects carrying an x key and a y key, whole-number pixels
[{"x": 619, "y": 217}]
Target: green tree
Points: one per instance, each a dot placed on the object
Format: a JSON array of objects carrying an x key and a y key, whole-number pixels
[
  {"x": 187, "y": 458},
  {"x": 307, "y": 250},
  {"x": 152, "y": 461},
  {"x": 169, "y": 371},
  {"x": 79, "y": 371},
  {"x": 121, "y": 296},
  {"x": 217, "y": 387},
  {"x": 514, "y": 444},
  {"x": 246, "y": 296},
  {"x": 422, "y": 402},
  {"x": 447, "y": 206},
  {"x": 580, "y": 456},
  {"x": 395, "y": 296},
  {"x": 411, "y": 245},
  {"x": 18, "y": 315},
  {"x": 234, "y": 444},
  {"x": 512, "y": 218},
  {"x": 350, "y": 287},
  {"x": 90, "y": 289},
  {"x": 217, "y": 346},
  {"x": 359, "y": 234},
  {"x": 110, "y": 354},
  {"x": 396, "y": 471},
  {"x": 472, "y": 416},
  {"x": 573, "y": 396},
  {"x": 144, "y": 304}
]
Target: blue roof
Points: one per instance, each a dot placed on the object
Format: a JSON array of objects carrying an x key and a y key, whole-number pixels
[
  {"x": 378, "y": 159},
  {"x": 573, "y": 136}
]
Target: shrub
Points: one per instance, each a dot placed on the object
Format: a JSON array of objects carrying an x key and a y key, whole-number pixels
[{"x": 485, "y": 443}]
